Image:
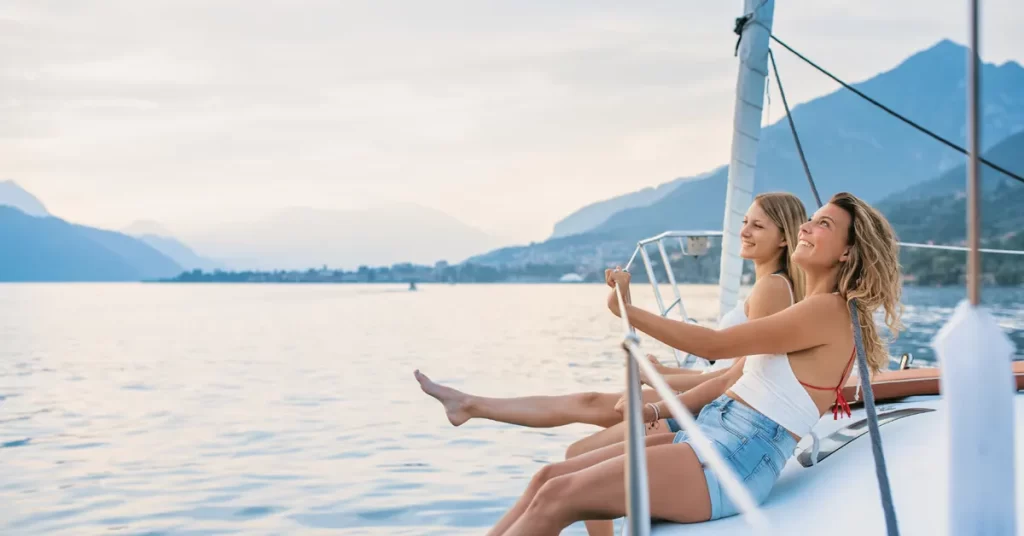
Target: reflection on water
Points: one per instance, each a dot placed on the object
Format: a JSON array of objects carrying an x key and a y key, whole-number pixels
[{"x": 292, "y": 409}]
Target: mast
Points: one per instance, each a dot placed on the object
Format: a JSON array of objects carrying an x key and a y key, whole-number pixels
[
  {"x": 747, "y": 113},
  {"x": 977, "y": 376}
]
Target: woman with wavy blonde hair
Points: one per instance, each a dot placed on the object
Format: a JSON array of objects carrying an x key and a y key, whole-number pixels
[{"x": 848, "y": 251}]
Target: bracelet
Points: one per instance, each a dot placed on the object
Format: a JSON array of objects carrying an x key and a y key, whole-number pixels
[{"x": 657, "y": 414}]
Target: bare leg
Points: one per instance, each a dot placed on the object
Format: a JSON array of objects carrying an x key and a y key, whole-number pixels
[
  {"x": 549, "y": 472},
  {"x": 602, "y": 439},
  {"x": 609, "y": 436},
  {"x": 532, "y": 411},
  {"x": 678, "y": 492}
]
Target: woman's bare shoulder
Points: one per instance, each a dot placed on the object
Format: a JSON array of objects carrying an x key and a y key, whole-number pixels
[
  {"x": 769, "y": 296},
  {"x": 773, "y": 284},
  {"x": 825, "y": 307}
]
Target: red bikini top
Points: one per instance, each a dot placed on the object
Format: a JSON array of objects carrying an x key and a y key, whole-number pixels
[{"x": 841, "y": 405}]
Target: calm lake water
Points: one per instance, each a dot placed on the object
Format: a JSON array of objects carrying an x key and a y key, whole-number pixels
[{"x": 287, "y": 409}]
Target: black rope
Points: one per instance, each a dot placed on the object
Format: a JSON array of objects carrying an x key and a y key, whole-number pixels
[
  {"x": 741, "y": 24},
  {"x": 792, "y": 127},
  {"x": 881, "y": 473},
  {"x": 890, "y": 111}
]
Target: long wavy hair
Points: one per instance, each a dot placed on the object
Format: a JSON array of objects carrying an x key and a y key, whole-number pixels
[
  {"x": 871, "y": 275},
  {"x": 788, "y": 214}
]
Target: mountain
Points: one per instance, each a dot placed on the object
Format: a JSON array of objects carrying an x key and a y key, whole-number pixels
[
  {"x": 935, "y": 210},
  {"x": 597, "y": 213},
  {"x": 180, "y": 253},
  {"x": 51, "y": 249},
  {"x": 1007, "y": 153},
  {"x": 15, "y": 196},
  {"x": 931, "y": 211},
  {"x": 160, "y": 239},
  {"x": 301, "y": 238},
  {"x": 851, "y": 145}
]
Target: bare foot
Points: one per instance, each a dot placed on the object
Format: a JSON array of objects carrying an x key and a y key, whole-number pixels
[{"x": 454, "y": 401}]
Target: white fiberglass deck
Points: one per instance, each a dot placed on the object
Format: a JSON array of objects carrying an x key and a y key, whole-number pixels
[{"x": 840, "y": 495}]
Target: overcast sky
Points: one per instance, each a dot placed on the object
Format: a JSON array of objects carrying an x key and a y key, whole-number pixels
[{"x": 506, "y": 115}]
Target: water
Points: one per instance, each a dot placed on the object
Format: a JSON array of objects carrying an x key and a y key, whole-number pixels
[{"x": 265, "y": 409}]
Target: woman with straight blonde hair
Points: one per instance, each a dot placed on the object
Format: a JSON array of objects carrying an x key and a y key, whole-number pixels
[{"x": 787, "y": 214}]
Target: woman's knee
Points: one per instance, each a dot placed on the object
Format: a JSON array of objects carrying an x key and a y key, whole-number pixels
[
  {"x": 541, "y": 477},
  {"x": 552, "y": 496},
  {"x": 577, "y": 448},
  {"x": 546, "y": 474}
]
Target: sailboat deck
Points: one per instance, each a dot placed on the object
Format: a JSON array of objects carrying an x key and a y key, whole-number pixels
[{"x": 840, "y": 494}]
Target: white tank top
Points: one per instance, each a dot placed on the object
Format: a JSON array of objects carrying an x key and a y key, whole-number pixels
[
  {"x": 769, "y": 385},
  {"x": 735, "y": 317}
]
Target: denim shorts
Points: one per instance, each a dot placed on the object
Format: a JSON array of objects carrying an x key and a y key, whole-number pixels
[{"x": 753, "y": 446}]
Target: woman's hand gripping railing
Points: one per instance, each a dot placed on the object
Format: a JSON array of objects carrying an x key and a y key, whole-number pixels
[{"x": 638, "y": 505}]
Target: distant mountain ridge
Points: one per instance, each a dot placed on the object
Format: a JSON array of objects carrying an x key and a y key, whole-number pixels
[
  {"x": 300, "y": 238},
  {"x": 51, "y": 249},
  {"x": 1008, "y": 153},
  {"x": 13, "y": 195},
  {"x": 597, "y": 213},
  {"x": 931, "y": 211},
  {"x": 850, "y": 146},
  {"x": 180, "y": 253},
  {"x": 936, "y": 211},
  {"x": 159, "y": 238}
]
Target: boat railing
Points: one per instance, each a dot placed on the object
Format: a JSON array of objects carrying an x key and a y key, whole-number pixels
[{"x": 691, "y": 243}]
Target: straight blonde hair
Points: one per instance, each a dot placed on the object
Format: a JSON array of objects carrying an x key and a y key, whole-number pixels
[{"x": 788, "y": 214}]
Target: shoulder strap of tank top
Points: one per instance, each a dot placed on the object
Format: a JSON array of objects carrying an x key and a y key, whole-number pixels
[{"x": 789, "y": 286}]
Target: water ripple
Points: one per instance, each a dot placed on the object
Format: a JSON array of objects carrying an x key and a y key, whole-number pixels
[{"x": 248, "y": 409}]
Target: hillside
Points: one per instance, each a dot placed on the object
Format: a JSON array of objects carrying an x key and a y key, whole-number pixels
[
  {"x": 51, "y": 249},
  {"x": 1008, "y": 153},
  {"x": 850, "y": 145},
  {"x": 13, "y": 195},
  {"x": 597, "y": 213},
  {"x": 935, "y": 211},
  {"x": 159, "y": 238}
]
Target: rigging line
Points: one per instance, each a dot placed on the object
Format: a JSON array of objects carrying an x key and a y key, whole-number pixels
[
  {"x": 888, "y": 110},
  {"x": 877, "y": 454},
  {"x": 792, "y": 127},
  {"x": 767, "y": 121}
]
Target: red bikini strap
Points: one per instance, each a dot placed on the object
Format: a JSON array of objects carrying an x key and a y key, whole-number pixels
[{"x": 840, "y": 405}]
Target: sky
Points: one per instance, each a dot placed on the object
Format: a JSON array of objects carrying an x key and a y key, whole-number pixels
[{"x": 506, "y": 115}]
